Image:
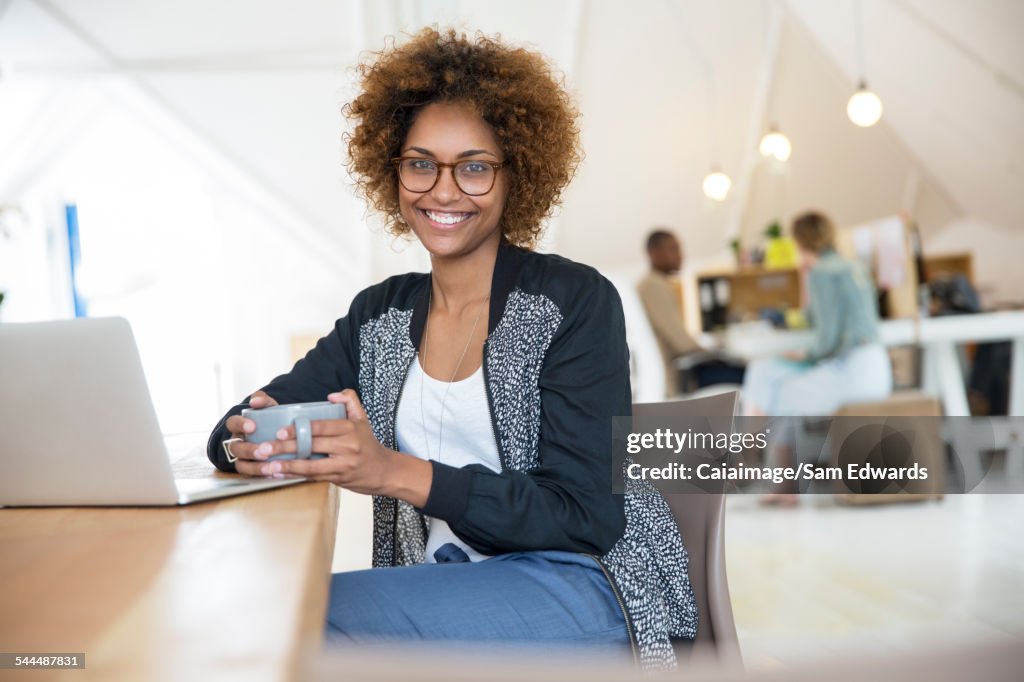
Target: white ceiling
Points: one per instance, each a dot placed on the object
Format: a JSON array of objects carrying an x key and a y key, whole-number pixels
[
  {"x": 262, "y": 82},
  {"x": 951, "y": 75}
]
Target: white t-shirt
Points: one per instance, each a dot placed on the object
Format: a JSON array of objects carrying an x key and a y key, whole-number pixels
[{"x": 468, "y": 437}]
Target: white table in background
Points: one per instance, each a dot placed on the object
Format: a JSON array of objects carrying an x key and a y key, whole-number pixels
[
  {"x": 942, "y": 375},
  {"x": 938, "y": 337}
]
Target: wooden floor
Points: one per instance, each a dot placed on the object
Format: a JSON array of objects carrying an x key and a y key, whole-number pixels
[{"x": 821, "y": 580}]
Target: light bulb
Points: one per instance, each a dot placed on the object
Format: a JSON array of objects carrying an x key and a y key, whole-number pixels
[
  {"x": 864, "y": 108},
  {"x": 716, "y": 185},
  {"x": 775, "y": 145}
]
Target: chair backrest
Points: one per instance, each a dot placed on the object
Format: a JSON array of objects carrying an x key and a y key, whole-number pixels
[{"x": 701, "y": 521}]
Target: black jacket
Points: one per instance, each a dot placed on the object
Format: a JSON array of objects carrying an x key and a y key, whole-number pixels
[{"x": 556, "y": 370}]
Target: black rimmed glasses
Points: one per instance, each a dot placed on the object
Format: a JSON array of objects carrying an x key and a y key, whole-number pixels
[{"x": 473, "y": 176}]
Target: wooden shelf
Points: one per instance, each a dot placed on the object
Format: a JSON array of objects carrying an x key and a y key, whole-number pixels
[
  {"x": 950, "y": 264},
  {"x": 742, "y": 294}
]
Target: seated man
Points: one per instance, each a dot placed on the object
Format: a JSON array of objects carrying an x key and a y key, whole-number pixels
[{"x": 666, "y": 317}]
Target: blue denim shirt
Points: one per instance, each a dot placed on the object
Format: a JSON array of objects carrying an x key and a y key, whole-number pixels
[{"x": 843, "y": 306}]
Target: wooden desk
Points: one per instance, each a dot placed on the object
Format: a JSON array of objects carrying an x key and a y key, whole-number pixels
[{"x": 234, "y": 589}]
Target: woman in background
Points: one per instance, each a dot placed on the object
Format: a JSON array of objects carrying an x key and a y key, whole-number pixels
[{"x": 845, "y": 363}]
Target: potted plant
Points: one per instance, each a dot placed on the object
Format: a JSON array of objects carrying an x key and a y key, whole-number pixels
[{"x": 781, "y": 252}]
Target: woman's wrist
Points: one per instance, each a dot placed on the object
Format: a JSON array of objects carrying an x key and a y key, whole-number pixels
[{"x": 409, "y": 478}]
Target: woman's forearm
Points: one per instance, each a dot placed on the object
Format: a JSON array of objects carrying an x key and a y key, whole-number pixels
[{"x": 409, "y": 479}]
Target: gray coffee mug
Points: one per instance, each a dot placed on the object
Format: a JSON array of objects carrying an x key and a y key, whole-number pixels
[{"x": 269, "y": 420}]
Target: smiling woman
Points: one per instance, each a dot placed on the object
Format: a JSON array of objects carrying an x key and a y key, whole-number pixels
[
  {"x": 485, "y": 439},
  {"x": 454, "y": 213},
  {"x": 528, "y": 112}
]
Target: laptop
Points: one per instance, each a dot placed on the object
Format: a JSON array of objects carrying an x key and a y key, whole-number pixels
[{"x": 78, "y": 428}]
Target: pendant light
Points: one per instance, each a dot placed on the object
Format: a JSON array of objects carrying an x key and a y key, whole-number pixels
[
  {"x": 775, "y": 145},
  {"x": 864, "y": 107},
  {"x": 717, "y": 184}
]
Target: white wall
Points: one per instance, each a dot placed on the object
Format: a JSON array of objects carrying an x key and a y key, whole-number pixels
[
  {"x": 641, "y": 84},
  {"x": 214, "y": 275}
]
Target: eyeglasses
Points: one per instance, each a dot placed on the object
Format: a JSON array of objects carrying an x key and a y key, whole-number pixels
[{"x": 473, "y": 177}]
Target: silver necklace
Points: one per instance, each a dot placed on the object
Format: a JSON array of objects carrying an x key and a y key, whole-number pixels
[{"x": 423, "y": 371}]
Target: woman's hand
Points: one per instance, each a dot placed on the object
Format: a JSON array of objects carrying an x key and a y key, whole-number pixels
[
  {"x": 355, "y": 460},
  {"x": 239, "y": 426}
]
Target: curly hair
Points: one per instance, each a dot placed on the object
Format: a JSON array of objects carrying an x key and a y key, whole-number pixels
[{"x": 514, "y": 90}]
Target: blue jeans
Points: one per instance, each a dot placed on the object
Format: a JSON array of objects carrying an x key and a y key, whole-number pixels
[{"x": 548, "y": 598}]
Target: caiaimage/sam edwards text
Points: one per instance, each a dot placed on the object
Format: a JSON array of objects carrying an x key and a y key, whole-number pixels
[{"x": 724, "y": 471}]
